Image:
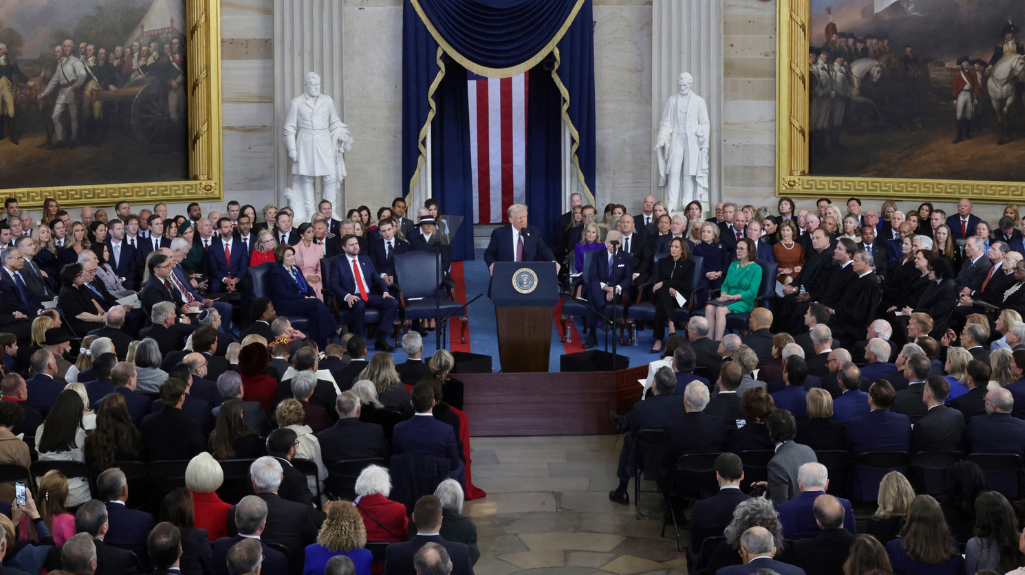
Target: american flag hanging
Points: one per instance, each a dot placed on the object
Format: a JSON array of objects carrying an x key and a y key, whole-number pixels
[{"x": 498, "y": 144}]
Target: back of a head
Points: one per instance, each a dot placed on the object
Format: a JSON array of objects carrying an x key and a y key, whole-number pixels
[
  {"x": 412, "y": 343},
  {"x": 828, "y": 512},
  {"x": 849, "y": 376},
  {"x": 427, "y": 513},
  {"x": 980, "y": 372},
  {"x": 90, "y": 517},
  {"x": 696, "y": 396},
  {"x": 104, "y": 364},
  {"x": 79, "y": 554},
  {"x": 340, "y": 565},
  {"x": 731, "y": 375},
  {"x": 757, "y": 541},
  {"x": 939, "y": 386},
  {"x": 729, "y": 466},
  {"x": 423, "y": 397},
  {"x": 796, "y": 370},
  {"x": 347, "y": 403},
  {"x": 245, "y": 557},
  {"x": 821, "y": 335},
  {"x": 110, "y": 484},
  {"x": 882, "y": 394},
  {"x": 685, "y": 358},
  {"x": 280, "y": 442},
  {"x": 782, "y": 426},
  {"x": 920, "y": 366},
  {"x": 164, "y": 545},
  {"x": 813, "y": 475},
  {"x": 665, "y": 381},
  {"x": 304, "y": 359},
  {"x": 356, "y": 347},
  {"x": 266, "y": 474},
  {"x": 432, "y": 559},
  {"x": 172, "y": 391},
  {"x": 250, "y": 513}
]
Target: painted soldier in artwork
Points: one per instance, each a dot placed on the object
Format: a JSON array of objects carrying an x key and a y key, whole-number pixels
[
  {"x": 965, "y": 92},
  {"x": 9, "y": 72}
]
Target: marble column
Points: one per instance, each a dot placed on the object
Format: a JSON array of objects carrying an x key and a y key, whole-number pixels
[
  {"x": 307, "y": 38},
  {"x": 686, "y": 36}
]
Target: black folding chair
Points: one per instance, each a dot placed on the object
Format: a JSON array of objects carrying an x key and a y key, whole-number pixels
[
  {"x": 341, "y": 477},
  {"x": 838, "y": 466},
  {"x": 292, "y": 561},
  {"x": 11, "y": 472},
  {"x": 928, "y": 470},
  {"x": 756, "y": 466},
  {"x": 884, "y": 461},
  {"x": 165, "y": 476},
  {"x": 309, "y": 468},
  {"x": 70, "y": 469},
  {"x": 236, "y": 480},
  {"x": 706, "y": 551},
  {"x": 647, "y": 457},
  {"x": 1001, "y": 470},
  {"x": 693, "y": 479},
  {"x": 377, "y": 549},
  {"x": 137, "y": 474}
]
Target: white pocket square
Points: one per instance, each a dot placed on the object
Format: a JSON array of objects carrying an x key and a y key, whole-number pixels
[{"x": 621, "y": 266}]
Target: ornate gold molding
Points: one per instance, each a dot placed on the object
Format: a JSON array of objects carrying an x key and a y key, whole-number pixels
[
  {"x": 206, "y": 183},
  {"x": 792, "y": 129}
]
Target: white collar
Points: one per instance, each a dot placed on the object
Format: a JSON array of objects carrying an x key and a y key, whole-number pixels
[
  {"x": 845, "y": 264},
  {"x": 864, "y": 274},
  {"x": 257, "y": 537},
  {"x": 118, "y": 501},
  {"x": 729, "y": 487},
  {"x": 113, "y": 243},
  {"x": 424, "y": 414}
]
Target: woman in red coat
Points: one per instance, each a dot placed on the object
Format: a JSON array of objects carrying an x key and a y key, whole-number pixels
[
  {"x": 384, "y": 519},
  {"x": 263, "y": 252},
  {"x": 256, "y": 385},
  {"x": 203, "y": 477}
]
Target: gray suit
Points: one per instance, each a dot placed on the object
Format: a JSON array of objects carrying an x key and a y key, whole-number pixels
[
  {"x": 972, "y": 275},
  {"x": 783, "y": 470},
  {"x": 747, "y": 382}
]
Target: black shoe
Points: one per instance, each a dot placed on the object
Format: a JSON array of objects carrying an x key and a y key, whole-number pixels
[
  {"x": 46, "y": 144},
  {"x": 620, "y": 421},
  {"x": 57, "y": 146},
  {"x": 620, "y": 498},
  {"x": 382, "y": 345},
  {"x": 592, "y": 341}
]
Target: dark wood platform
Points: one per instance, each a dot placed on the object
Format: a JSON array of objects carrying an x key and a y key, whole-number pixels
[{"x": 548, "y": 403}]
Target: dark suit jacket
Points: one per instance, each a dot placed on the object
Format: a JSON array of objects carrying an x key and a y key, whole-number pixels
[
  {"x": 196, "y": 409},
  {"x": 972, "y": 403},
  {"x": 909, "y": 402},
  {"x": 259, "y": 328},
  {"x": 146, "y": 248},
  {"x": 126, "y": 267},
  {"x": 292, "y": 238},
  {"x": 878, "y": 370},
  {"x": 501, "y": 249},
  {"x": 727, "y": 406},
  {"x": 850, "y": 405},
  {"x": 113, "y": 561},
  {"x": 97, "y": 389},
  {"x": 344, "y": 283},
  {"x": 694, "y": 432},
  {"x": 399, "y": 556},
  {"x": 707, "y": 352},
  {"x": 274, "y": 561},
  {"x": 656, "y": 412},
  {"x": 291, "y": 524},
  {"x": 412, "y": 371},
  {"x": 170, "y": 434},
  {"x": 154, "y": 292},
  {"x": 954, "y": 222},
  {"x": 879, "y": 430},
  {"x": 293, "y": 484},
  {"x": 711, "y": 516},
  {"x": 168, "y": 339},
  {"x": 419, "y": 242},
  {"x": 797, "y": 516},
  {"x": 346, "y": 376},
  {"x": 973, "y": 274},
  {"x": 640, "y": 257},
  {"x": 878, "y": 256},
  {"x": 823, "y": 554},
  {"x": 220, "y": 268},
  {"x": 942, "y": 429},
  {"x": 120, "y": 339},
  {"x": 757, "y": 564},
  {"x": 42, "y": 392},
  {"x": 760, "y": 341},
  {"x": 351, "y": 438},
  {"x": 793, "y": 399},
  {"x": 996, "y": 433},
  {"x": 378, "y": 254},
  {"x": 10, "y": 294},
  {"x": 426, "y": 435},
  {"x": 818, "y": 364},
  {"x": 128, "y": 528}
]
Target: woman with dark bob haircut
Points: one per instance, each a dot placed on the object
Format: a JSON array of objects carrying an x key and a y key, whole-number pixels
[
  {"x": 756, "y": 405},
  {"x": 925, "y": 546},
  {"x": 197, "y": 555},
  {"x": 293, "y": 295}
]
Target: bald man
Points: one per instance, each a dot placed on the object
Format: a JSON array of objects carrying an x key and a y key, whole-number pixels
[
  {"x": 826, "y": 552},
  {"x": 760, "y": 338}
]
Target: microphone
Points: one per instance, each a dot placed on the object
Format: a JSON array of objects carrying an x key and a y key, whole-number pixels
[
  {"x": 525, "y": 233},
  {"x": 614, "y": 242}
]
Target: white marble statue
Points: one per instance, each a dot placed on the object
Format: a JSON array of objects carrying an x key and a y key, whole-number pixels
[
  {"x": 317, "y": 140},
  {"x": 682, "y": 147}
]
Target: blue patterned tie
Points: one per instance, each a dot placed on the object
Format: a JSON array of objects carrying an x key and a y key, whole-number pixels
[
  {"x": 299, "y": 280},
  {"x": 21, "y": 289}
]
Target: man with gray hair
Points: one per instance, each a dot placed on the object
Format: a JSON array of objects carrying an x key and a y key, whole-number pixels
[
  {"x": 350, "y": 438},
  {"x": 656, "y": 412},
  {"x": 168, "y": 334},
  {"x": 307, "y": 359},
  {"x": 114, "y": 330},
  {"x": 229, "y": 386},
  {"x": 340, "y": 565},
  {"x": 1015, "y": 337},
  {"x": 413, "y": 369},
  {"x": 288, "y": 523},
  {"x": 127, "y": 528},
  {"x": 877, "y": 354},
  {"x": 998, "y": 432},
  {"x": 729, "y": 345},
  {"x": 78, "y": 555},
  {"x": 692, "y": 432},
  {"x": 706, "y": 350},
  {"x": 250, "y": 521},
  {"x": 244, "y": 557},
  {"x": 827, "y": 551},
  {"x": 975, "y": 268},
  {"x": 757, "y": 549},
  {"x": 797, "y": 516},
  {"x": 432, "y": 559},
  {"x": 822, "y": 342},
  {"x": 91, "y": 519},
  {"x": 20, "y": 302}
]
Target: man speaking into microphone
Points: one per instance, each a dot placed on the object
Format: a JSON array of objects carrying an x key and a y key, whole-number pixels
[
  {"x": 517, "y": 242},
  {"x": 610, "y": 276}
]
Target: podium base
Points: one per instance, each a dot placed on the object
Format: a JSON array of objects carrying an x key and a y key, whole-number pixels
[
  {"x": 592, "y": 360},
  {"x": 471, "y": 362},
  {"x": 524, "y": 338}
]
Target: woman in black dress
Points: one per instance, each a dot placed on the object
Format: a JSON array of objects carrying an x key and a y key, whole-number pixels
[
  {"x": 756, "y": 405},
  {"x": 673, "y": 274},
  {"x": 231, "y": 439},
  {"x": 940, "y": 294},
  {"x": 77, "y": 302}
]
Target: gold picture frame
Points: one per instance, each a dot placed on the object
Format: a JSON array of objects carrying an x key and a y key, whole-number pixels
[
  {"x": 792, "y": 135},
  {"x": 203, "y": 90}
]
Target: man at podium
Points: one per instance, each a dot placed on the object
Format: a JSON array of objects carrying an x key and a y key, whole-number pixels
[{"x": 517, "y": 242}]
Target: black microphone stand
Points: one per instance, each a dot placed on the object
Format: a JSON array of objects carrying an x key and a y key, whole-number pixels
[{"x": 615, "y": 337}]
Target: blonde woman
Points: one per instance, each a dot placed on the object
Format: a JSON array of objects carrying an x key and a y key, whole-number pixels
[
  {"x": 1004, "y": 324},
  {"x": 390, "y": 391},
  {"x": 820, "y": 431},
  {"x": 88, "y": 415},
  {"x": 132, "y": 350},
  {"x": 589, "y": 242},
  {"x": 46, "y": 251},
  {"x": 74, "y": 244},
  {"x": 1000, "y": 365},
  {"x": 264, "y": 251},
  {"x": 39, "y": 327},
  {"x": 51, "y": 501},
  {"x": 894, "y": 500},
  {"x": 343, "y": 533},
  {"x": 442, "y": 363},
  {"x": 84, "y": 361},
  {"x": 290, "y": 414},
  {"x": 956, "y": 368}
]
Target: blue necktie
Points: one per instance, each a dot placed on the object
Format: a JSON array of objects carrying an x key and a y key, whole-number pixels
[
  {"x": 95, "y": 291},
  {"x": 299, "y": 280},
  {"x": 21, "y": 289}
]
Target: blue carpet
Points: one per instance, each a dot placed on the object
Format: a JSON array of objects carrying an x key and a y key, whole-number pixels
[{"x": 483, "y": 337}]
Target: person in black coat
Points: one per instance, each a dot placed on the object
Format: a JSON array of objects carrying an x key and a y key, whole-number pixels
[
  {"x": 939, "y": 298},
  {"x": 909, "y": 400},
  {"x": 350, "y": 438},
  {"x": 656, "y": 412},
  {"x": 250, "y": 520},
  {"x": 819, "y": 431},
  {"x": 77, "y": 303},
  {"x": 942, "y": 428},
  {"x": 170, "y": 434},
  {"x": 197, "y": 556},
  {"x": 673, "y": 275},
  {"x": 756, "y": 405},
  {"x": 384, "y": 249},
  {"x": 413, "y": 369},
  {"x": 711, "y": 516},
  {"x": 726, "y": 402},
  {"x": 693, "y": 432},
  {"x": 705, "y": 348},
  {"x": 120, "y": 339},
  {"x": 356, "y": 348},
  {"x": 427, "y": 517},
  {"x": 281, "y": 446},
  {"x": 91, "y": 518},
  {"x": 856, "y": 307},
  {"x": 973, "y": 403},
  {"x": 998, "y": 432},
  {"x": 826, "y": 553},
  {"x": 759, "y": 338},
  {"x": 126, "y": 528}
]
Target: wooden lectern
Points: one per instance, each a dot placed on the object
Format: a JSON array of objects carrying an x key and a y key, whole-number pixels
[{"x": 524, "y": 294}]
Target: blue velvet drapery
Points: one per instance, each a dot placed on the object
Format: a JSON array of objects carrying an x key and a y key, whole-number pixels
[{"x": 496, "y": 38}]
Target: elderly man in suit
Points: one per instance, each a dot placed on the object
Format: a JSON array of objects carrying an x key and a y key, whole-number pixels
[
  {"x": 962, "y": 225},
  {"x": 877, "y": 354},
  {"x": 693, "y": 432},
  {"x": 975, "y": 267},
  {"x": 757, "y": 549},
  {"x": 250, "y": 522},
  {"x": 705, "y": 348},
  {"x": 127, "y": 528},
  {"x": 852, "y": 401},
  {"x": 350, "y": 438},
  {"x": 797, "y": 516},
  {"x": 759, "y": 338},
  {"x": 712, "y": 515},
  {"x": 43, "y": 388},
  {"x": 878, "y": 430},
  {"x": 908, "y": 401},
  {"x": 656, "y": 412},
  {"x": 517, "y": 242},
  {"x": 413, "y": 369},
  {"x": 783, "y": 467},
  {"x": 92, "y": 520},
  {"x": 998, "y": 432},
  {"x": 826, "y": 552},
  {"x": 611, "y": 275}
]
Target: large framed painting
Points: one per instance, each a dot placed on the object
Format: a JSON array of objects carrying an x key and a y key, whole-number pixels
[
  {"x": 901, "y": 99},
  {"x": 104, "y": 100}
]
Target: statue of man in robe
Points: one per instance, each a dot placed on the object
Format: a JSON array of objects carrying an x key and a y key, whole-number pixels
[{"x": 682, "y": 147}]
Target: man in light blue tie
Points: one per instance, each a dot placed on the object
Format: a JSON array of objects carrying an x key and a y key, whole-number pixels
[{"x": 12, "y": 285}]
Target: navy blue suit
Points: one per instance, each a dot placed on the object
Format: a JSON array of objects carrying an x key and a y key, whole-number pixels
[
  {"x": 13, "y": 296},
  {"x": 879, "y": 430},
  {"x": 220, "y": 268},
  {"x": 878, "y": 370},
  {"x": 138, "y": 404},
  {"x": 125, "y": 267},
  {"x": 766, "y": 563},
  {"x": 998, "y": 433},
  {"x": 206, "y": 390},
  {"x": 291, "y": 299},
  {"x": 98, "y": 389},
  {"x": 765, "y": 252},
  {"x": 600, "y": 273},
  {"x": 798, "y": 516},
  {"x": 274, "y": 561},
  {"x": 145, "y": 249},
  {"x": 501, "y": 248},
  {"x": 426, "y": 435},
  {"x": 194, "y": 408},
  {"x": 1017, "y": 390},
  {"x": 850, "y": 405},
  {"x": 954, "y": 223},
  {"x": 378, "y": 253},
  {"x": 128, "y": 528},
  {"x": 344, "y": 283},
  {"x": 656, "y": 412},
  {"x": 685, "y": 377},
  {"x": 792, "y": 399},
  {"x": 728, "y": 237},
  {"x": 42, "y": 392}
]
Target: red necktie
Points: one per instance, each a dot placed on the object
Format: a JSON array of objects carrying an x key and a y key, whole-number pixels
[
  {"x": 989, "y": 275},
  {"x": 964, "y": 228},
  {"x": 359, "y": 281},
  {"x": 206, "y": 245},
  {"x": 738, "y": 236},
  {"x": 131, "y": 242},
  {"x": 227, "y": 256}
]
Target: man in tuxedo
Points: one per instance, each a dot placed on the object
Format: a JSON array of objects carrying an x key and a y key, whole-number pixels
[
  {"x": 43, "y": 388},
  {"x": 876, "y": 353},
  {"x": 875, "y": 251},
  {"x": 91, "y": 519},
  {"x": 975, "y": 267},
  {"x": 400, "y": 557},
  {"x": 973, "y": 403},
  {"x": 250, "y": 522},
  {"x": 350, "y": 438},
  {"x": 826, "y": 552},
  {"x": 759, "y": 338},
  {"x": 704, "y": 347},
  {"x": 797, "y": 515},
  {"x": 283, "y": 232},
  {"x": 112, "y": 330},
  {"x": 762, "y": 247},
  {"x": 653, "y": 413},
  {"x": 634, "y": 244},
  {"x": 712, "y": 515},
  {"x": 878, "y": 430},
  {"x": 384, "y": 249},
  {"x": 790, "y": 456},
  {"x": 229, "y": 261},
  {"x": 998, "y": 432},
  {"x": 413, "y": 369},
  {"x": 852, "y": 402},
  {"x": 171, "y": 422},
  {"x": 858, "y": 300},
  {"x": 757, "y": 549},
  {"x": 692, "y": 432},
  {"x": 356, "y": 348},
  {"x": 610, "y": 276},
  {"x": 962, "y": 225},
  {"x": 517, "y": 242},
  {"x": 126, "y": 528},
  {"x": 908, "y": 401},
  {"x": 122, "y": 256},
  {"x": 356, "y": 282},
  {"x": 942, "y": 428},
  {"x": 425, "y": 435}
]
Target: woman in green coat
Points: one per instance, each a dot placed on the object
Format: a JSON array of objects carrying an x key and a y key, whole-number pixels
[
  {"x": 739, "y": 290},
  {"x": 454, "y": 525}
]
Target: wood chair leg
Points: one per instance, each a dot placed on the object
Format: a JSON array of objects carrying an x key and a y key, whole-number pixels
[
  {"x": 462, "y": 328},
  {"x": 396, "y": 328},
  {"x": 566, "y": 333}
]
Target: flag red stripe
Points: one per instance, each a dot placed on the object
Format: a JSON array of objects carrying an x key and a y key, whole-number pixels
[
  {"x": 507, "y": 144},
  {"x": 483, "y": 163}
]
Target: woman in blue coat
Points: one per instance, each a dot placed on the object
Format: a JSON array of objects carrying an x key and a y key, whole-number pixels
[
  {"x": 716, "y": 261},
  {"x": 343, "y": 533},
  {"x": 293, "y": 296}
]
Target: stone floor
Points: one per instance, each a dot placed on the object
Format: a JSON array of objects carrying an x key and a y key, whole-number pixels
[{"x": 548, "y": 512}]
